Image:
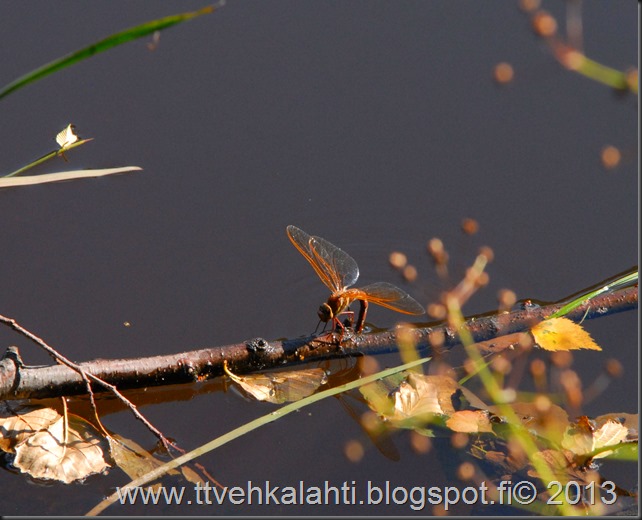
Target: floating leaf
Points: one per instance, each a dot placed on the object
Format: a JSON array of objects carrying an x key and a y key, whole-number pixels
[
  {"x": 19, "y": 422},
  {"x": 66, "y": 451},
  {"x": 63, "y": 176},
  {"x": 584, "y": 439},
  {"x": 377, "y": 393},
  {"x": 281, "y": 387},
  {"x": 136, "y": 461},
  {"x": 549, "y": 422},
  {"x": 560, "y": 463},
  {"x": 470, "y": 421},
  {"x": 630, "y": 420},
  {"x": 557, "y": 334},
  {"x": 421, "y": 396},
  {"x": 132, "y": 458},
  {"x": 415, "y": 397}
]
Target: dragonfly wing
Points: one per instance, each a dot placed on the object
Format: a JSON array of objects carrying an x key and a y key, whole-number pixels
[
  {"x": 392, "y": 297},
  {"x": 336, "y": 268},
  {"x": 340, "y": 263}
]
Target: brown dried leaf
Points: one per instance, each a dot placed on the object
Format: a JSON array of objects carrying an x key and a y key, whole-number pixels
[
  {"x": 561, "y": 463},
  {"x": 421, "y": 395},
  {"x": 136, "y": 461},
  {"x": 584, "y": 441},
  {"x": 557, "y": 334},
  {"x": 65, "y": 454},
  {"x": 630, "y": 420},
  {"x": 191, "y": 476},
  {"x": 18, "y": 422},
  {"x": 470, "y": 421},
  {"x": 549, "y": 422},
  {"x": 281, "y": 387},
  {"x": 132, "y": 458}
]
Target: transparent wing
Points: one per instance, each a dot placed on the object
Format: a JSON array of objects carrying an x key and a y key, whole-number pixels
[
  {"x": 390, "y": 296},
  {"x": 336, "y": 268}
]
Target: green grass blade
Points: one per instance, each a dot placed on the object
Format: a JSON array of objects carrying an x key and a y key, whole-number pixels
[
  {"x": 111, "y": 41},
  {"x": 606, "y": 75},
  {"x": 625, "y": 280},
  {"x": 246, "y": 428}
]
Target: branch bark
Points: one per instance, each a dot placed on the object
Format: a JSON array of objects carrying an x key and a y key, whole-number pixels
[{"x": 18, "y": 381}]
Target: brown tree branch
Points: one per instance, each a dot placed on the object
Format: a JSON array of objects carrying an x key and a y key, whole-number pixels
[{"x": 21, "y": 382}]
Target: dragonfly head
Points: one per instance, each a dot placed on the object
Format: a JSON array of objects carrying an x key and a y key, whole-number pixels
[{"x": 325, "y": 312}]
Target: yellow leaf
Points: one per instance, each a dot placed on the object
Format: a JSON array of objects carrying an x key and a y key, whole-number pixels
[{"x": 558, "y": 334}]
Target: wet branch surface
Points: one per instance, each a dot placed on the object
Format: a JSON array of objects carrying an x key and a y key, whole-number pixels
[{"x": 18, "y": 381}]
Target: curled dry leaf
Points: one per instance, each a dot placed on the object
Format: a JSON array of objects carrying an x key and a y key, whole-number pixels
[
  {"x": 421, "y": 396},
  {"x": 281, "y": 387},
  {"x": 583, "y": 439},
  {"x": 630, "y": 420},
  {"x": 66, "y": 451},
  {"x": 67, "y": 137},
  {"x": 557, "y": 334},
  {"x": 19, "y": 422}
]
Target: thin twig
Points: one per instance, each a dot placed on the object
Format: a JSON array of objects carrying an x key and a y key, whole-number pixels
[{"x": 86, "y": 376}]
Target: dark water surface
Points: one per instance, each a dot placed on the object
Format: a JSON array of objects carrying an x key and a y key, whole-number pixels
[{"x": 375, "y": 125}]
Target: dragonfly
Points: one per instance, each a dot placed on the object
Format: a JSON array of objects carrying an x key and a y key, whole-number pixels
[{"x": 338, "y": 271}]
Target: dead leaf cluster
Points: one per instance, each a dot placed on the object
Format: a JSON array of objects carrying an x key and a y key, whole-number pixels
[
  {"x": 65, "y": 447},
  {"x": 437, "y": 405}
]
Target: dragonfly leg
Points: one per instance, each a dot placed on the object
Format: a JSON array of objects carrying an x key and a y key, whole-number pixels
[{"x": 363, "y": 310}]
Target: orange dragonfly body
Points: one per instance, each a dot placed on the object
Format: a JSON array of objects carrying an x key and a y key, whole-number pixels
[{"x": 338, "y": 271}]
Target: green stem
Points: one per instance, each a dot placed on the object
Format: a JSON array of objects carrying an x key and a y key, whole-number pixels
[{"x": 46, "y": 157}]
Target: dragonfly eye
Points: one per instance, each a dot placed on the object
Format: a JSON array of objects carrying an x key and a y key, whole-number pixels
[{"x": 325, "y": 312}]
